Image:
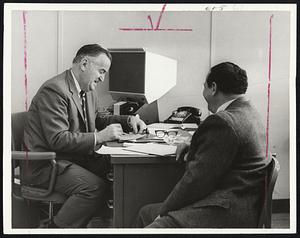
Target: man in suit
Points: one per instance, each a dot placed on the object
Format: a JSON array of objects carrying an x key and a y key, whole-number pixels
[
  {"x": 223, "y": 185},
  {"x": 64, "y": 117}
]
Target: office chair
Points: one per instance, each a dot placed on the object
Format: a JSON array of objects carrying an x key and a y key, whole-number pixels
[
  {"x": 26, "y": 192},
  {"x": 266, "y": 213}
]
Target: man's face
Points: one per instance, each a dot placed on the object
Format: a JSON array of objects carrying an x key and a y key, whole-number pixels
[
  {"x": 208, "y": 95},
  {"x": 93, "y": 71}
]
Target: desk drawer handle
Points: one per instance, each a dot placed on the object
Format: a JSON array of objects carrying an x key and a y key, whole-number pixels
[
  {"x": 110, "y": 203},
  {"x": 110, "y": 177}
]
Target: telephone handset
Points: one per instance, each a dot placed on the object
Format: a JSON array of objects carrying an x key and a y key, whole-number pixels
[{"x": 185, "y": 115}]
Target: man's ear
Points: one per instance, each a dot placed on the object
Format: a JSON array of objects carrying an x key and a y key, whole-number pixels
[
  {"x": 83, "y": 64},
  {"x": 214, "y": 88}
]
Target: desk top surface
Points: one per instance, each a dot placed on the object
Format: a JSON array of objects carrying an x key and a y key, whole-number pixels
[{"x": 139, "y": 159}]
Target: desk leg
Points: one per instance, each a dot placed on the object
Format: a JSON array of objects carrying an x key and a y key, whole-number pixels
[{"x": 118, "y": 185}]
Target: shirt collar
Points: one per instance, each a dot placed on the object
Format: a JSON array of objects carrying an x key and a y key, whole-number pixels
[
  {"x": 76, "y": 82},
  {"x": 225, "y": 105}
]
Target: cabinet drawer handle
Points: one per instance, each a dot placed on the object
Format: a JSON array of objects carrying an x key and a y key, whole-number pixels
[
  {"x": 110, "y": 177},
  {"x": 110, "y": 203}
]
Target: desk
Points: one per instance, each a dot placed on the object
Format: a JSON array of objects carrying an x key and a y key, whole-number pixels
[{"x": 140, "y": 180}]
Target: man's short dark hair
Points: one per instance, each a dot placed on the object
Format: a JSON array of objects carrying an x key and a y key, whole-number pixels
[
  {"x": 229, "y": 77},
  {"x": 91, "y": 50}
]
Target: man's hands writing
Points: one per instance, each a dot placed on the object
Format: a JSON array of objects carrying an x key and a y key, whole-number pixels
[
  {"x": 138, "y": 125},
  {"x": 110, "y": 133},
  {"x": 182, "y": 152}
]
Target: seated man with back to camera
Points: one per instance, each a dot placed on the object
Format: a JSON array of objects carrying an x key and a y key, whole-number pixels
[
  {"x": 62, "y": 118},
  {"x": 224, "y": 182}
]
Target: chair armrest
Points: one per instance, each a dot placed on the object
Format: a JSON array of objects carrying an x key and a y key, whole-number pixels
[
  {"x": 29, "y": 155},
  {"x": 30, "y": 192}
]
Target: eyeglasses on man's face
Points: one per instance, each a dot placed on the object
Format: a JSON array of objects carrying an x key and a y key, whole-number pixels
[{"x": 163, "y": 133}]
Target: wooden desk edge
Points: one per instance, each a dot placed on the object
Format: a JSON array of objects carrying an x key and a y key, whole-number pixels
[{"x": 142, "y": 159}]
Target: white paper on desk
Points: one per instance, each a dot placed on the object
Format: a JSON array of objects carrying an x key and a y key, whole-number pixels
[
  {"x": 153, "y": 149},
  {"x": 162, "y": 126},
  {"x": 125, "y": 136},
  {"x": 106, "y": 150}
]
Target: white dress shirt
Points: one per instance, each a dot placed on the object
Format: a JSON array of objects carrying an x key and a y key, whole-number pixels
[{"x": 225, "y": 105}]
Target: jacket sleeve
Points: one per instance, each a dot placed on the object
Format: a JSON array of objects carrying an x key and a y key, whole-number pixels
[
  {"x": 104, "y": 121},
  {"x": 52, "y": 108},
  {"x": 211, "y": 153}
]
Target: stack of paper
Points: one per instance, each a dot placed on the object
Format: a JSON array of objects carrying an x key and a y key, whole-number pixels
[
  {"x": 153, "y": 149},
  {"x": 106, "y": 150},
  {"x": 167, "y": 126},
  {"x": 127, "y": 137}
]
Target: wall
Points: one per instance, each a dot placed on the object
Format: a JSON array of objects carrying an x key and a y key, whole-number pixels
[
  {"x": 214, "y": 38},
  {"x": 41, "y": 54},
  {"x": 246, "y": 42},
  {"x": 191, "y": 49}
]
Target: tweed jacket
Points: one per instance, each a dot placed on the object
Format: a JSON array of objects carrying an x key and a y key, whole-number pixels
[
  {"x": 226, "y": 168},
  {"x": 55, "y": 122}
]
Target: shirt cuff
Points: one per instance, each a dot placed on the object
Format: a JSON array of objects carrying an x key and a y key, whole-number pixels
[
  {"x": 128, "y": 122},
  {"x": 96, "y": 147},
  {"x": 95, "y": 139}
]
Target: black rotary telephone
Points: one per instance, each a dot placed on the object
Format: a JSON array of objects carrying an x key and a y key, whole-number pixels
[{"x": 185, "y": 115}]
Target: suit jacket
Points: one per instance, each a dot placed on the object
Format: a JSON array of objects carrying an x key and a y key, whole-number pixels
[
  {"x": 55, "y": 123},
  {"x": 226, "y": 168}
]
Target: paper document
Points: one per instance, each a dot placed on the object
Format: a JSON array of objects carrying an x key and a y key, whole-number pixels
[
  {"x": 126, "y": 137},
  {"x": 162, "y": 126},
  {"x": 189, "y": 126},
  {"x": 167, "y": 126},
  {"x": 153, "y": 149},
  {"x": 106, "y": 150}
]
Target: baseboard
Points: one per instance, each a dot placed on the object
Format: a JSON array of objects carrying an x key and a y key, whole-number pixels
[{"x": 281, "y": 205}]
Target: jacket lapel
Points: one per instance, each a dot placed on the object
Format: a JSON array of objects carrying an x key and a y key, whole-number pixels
[{"x": 74, "y": 92}]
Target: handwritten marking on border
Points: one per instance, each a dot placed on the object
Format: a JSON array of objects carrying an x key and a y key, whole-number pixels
[
  {"x": 25, "y": 60},
  {"x": 24, "y": 13},
  {"x": 157, "y": 25},
  {"x": 268, "y": 107},
  {"x": 269, "y": 84}
]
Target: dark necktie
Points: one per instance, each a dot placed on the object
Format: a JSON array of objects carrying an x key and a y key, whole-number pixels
[{"x": 83, "y": 105}]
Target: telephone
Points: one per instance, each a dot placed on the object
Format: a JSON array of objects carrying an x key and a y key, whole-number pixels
[{"x": 185, "y": 115}]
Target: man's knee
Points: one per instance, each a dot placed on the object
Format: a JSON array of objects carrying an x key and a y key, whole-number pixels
[
  {"x": 164, "y": 222},
  {"x": 99, "y": 188},
  {"x": 143, "y": 218},
  {"x": 147, "y": 214},
  {"x": 146, "y": 210},
  {"x": 95, "y": 188}
]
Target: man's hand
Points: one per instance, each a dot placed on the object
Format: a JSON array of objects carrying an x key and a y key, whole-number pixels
[
  {"x": 182, "y": 152},
  {"x": 110, "y": 133},
  {"x": 137, "y": 124}
]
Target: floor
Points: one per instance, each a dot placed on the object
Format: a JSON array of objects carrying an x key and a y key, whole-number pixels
[{"x": 280, "y": 220}]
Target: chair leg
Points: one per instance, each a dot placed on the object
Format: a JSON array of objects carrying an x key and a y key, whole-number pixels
[{"x": 51, "y": 211}]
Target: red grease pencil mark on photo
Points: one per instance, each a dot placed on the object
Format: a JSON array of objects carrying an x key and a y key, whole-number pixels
[
  {"x": 25, "y": 60},
  {"x": 157, "y": 25},
  {"x": 268, "y": 107},
  {"x": 269, "y": 84},
  {"x": 25, "y": 73}
]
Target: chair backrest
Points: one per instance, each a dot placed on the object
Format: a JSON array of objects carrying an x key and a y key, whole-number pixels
[
  {"x": 17, "y": 130},
  {"x": 272, "y": 174}
]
